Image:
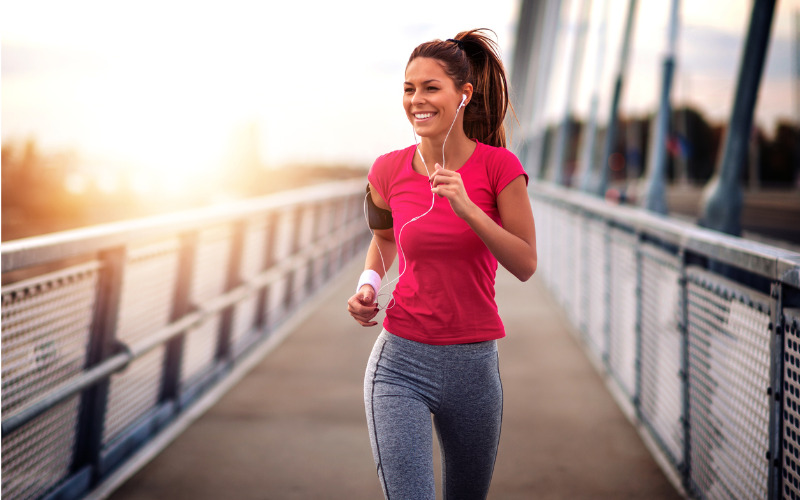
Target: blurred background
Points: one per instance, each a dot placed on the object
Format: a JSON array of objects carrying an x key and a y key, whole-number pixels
[
  {"x": 119, "y": 110},
  {"x": 566, "y": 112},
  {"x": 113, "y": 110}
]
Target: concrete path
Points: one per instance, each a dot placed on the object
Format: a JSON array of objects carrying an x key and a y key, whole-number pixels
[{"x": 294, "y": 427}]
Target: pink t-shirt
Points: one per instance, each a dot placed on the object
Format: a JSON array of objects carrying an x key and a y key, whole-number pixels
[{"x": 446, "y": 296}]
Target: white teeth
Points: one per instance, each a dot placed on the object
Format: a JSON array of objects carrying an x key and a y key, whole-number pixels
[{"x": 422, "y": 116}]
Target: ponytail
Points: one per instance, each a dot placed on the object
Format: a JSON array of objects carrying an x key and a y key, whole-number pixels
[{"x": 473, "y": 57}]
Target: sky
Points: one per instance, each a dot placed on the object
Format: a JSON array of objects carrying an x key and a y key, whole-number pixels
[{"x": 171, "y": 85}]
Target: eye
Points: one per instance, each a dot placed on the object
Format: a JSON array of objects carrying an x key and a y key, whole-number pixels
[
  {"x": 408, "y": 90},
  {"x": 432, "y": 89}
]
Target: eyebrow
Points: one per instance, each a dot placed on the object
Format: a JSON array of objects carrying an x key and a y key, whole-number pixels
[{"x": 424, "y": 83}]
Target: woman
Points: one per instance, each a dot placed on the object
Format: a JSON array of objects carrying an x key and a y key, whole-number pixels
[{"x": 452, "y": 207}]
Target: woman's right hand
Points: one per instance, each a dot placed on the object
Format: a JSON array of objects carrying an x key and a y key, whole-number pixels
[{"x": 362, "y": 306}]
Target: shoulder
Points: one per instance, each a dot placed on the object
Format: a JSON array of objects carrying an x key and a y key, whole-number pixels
[
  {"x": 386, "y": 168},
  {"x": 502, "y": 166},
  {"x": 393, "y": 159},
  {"x": 496, "y": 154}
]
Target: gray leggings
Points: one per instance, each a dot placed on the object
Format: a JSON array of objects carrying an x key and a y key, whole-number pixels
[{"x": 405, "y": 383}]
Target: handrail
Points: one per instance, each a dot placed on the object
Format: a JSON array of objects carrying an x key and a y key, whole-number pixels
[
  {"x": 27, "y": 252},
  {"x": 770, "y": 261}
]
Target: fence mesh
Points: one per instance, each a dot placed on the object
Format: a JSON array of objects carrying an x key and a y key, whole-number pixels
[
  {"x": 46, "y": 328},
  {"x": 581, "y": 274},
  {"x": 254, "y": 253},
  {"x": 790, "y": 464},
  {"x": 622, "y": 309},
  {"x": 283, "y": 249},
  {"x": 567, "y": 255},
  {"x": 544, "y": 241},
  {"x": 145, "y": 307},
  {"x": 661, "y": 393},
  {"x": 595, "y": 300},
  {"x": 38, "y": 455},
  {"x": 728, "y": 329},
  {"x": 209, "y": 280}
]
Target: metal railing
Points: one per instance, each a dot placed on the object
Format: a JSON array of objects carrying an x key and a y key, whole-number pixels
[
  {"x": 113, "y": 333},
  {"x": 695, "y": 331}
]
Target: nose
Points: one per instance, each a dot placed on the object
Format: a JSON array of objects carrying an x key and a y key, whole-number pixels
[{"x": 416, "y": 98}]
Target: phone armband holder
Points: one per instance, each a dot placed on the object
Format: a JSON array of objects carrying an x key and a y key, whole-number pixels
[{"x": 377, "y": 218}]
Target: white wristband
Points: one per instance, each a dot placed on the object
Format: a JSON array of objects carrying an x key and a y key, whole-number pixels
[{"x": 369, "y": 277}]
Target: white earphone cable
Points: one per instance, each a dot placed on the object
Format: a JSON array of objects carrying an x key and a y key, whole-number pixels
[{"x": 418, "y": 217}]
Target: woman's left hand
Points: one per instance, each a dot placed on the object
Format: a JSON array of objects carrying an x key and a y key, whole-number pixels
[{"x": 450, "y": 185}]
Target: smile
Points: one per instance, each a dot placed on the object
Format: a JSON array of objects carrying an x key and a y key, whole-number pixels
[{"x": 423, "y": 116}]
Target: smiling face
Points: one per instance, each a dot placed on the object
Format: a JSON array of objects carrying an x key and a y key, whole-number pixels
[{"x": 430, "y": 98}]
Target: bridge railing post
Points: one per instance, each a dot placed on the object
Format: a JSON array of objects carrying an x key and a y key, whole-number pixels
[
  {"x": 102, "y": 345},
  {"x": 263, "y": 314},
  {"x": 775, "y": 393},
  {"x": 325, "y": 231},
  {"x": 607, "y": 291},
  {"x": 311, "y": 235},
  {"x": 637, "y": 390},
  {"x": 295, "y": 221},
  {"x": 232, "y": 280},
  {"x": 181, "y": 305},
  {"x": 684, "y": 467}
]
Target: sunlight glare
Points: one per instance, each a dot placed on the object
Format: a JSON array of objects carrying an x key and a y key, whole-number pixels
[{"x": 163, "y": 86}]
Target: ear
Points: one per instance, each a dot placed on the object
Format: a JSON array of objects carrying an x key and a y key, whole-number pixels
[{"x": 467, "y": 91}]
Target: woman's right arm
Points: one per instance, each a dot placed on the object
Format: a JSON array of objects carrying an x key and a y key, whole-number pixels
[{"x": 382, "y": 251}]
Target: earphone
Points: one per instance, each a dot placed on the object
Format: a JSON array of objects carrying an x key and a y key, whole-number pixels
[{"x": 418, "y": 217}]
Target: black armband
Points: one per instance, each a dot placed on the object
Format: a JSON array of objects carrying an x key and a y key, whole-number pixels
[{"x": 377, "y": 218}]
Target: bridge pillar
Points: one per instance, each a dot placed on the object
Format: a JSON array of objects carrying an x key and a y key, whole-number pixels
[
  {"x": 611, "y": 133},
  {"x": 586, "y": 178},
  {"x": 655, "y": 197},
  {"x": 576, "y": 61},
  {"x": 722, "y": 199}
]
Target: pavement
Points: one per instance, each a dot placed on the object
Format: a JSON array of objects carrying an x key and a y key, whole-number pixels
[{"x": 294, "y": 426}]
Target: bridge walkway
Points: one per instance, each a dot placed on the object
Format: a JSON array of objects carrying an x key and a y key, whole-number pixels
[{"x": 294, "y": 426}]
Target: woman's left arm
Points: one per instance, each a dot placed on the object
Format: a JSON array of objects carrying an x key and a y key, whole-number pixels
[{"x": 514, "y": 243}]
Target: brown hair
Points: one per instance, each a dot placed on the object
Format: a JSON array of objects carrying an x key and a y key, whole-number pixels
[{"x": 473, "y": 57}]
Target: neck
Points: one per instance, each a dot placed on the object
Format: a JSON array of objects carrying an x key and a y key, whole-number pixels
[{"x": 456, "y": 147}]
